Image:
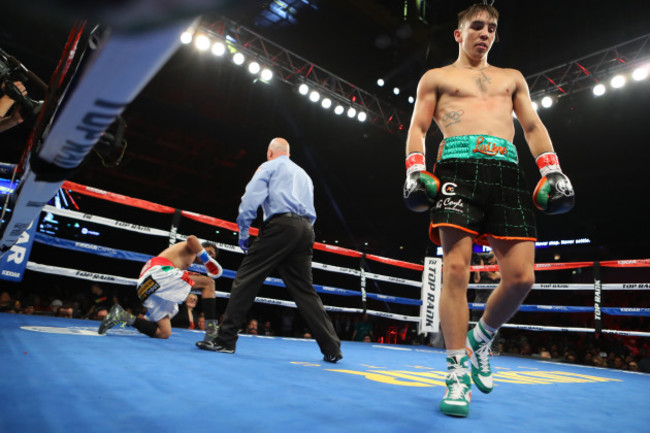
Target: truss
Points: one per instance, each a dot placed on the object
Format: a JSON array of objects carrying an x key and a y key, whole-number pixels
[
  {"x": 293, "y": 69},
  {"x": 583, "y": 73}
]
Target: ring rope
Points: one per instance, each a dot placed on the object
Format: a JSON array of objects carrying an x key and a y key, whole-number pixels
[
  {"x": 612, "y": 311},
  {"x": 114, "y": 279},
  {"x": 165, "y": 233},
  {"x": 143, "y": 204},
  {"x": 157, "y": 232},
  {"x": 93, "y": 276},
  {"x": 635, "y": 263},
  {"x": 572, "y": 329},
  {"x": 543, "y": 266},
  {"x": 597, "y": 287},
  {"x": 573, "y": 286},
  {"x": 139, "y": 257}
]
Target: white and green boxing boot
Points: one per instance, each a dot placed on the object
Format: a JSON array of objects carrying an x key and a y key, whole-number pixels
[
  {"x": 459, "y": 387},
  {"x": 477, "y": 347}
]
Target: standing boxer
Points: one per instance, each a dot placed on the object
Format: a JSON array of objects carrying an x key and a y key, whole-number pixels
[
  {"x": 478, "y": 193},
  {"x": 286, "y": 194},
  {"x": 165, "y": 282}
]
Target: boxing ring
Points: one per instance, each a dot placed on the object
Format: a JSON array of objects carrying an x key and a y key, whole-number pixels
[
  {"x": 399, "y": 277},
  {"x": 62, "y": 376}
]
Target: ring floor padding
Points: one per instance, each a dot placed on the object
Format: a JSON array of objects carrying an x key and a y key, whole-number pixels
[{"x": 58, "y": 375}]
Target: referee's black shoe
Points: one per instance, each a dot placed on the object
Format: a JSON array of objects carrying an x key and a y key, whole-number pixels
[
  {"x": 333, "y": 358},
  {"x": 214, "y": 346}
]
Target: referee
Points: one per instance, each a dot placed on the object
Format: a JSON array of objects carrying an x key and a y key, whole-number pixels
[{"x": 286, "y": 193}]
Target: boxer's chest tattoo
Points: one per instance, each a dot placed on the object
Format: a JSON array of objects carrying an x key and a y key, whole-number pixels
[{"x": 482, "y": 81}]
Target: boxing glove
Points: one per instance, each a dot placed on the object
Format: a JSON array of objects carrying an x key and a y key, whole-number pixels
[
  {"x": 212, "y": 267},
  {"x": 554, "y": 193},
  {"x": 420, "y": 187}
]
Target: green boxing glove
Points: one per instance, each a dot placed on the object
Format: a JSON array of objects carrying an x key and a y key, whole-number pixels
[
  {"x": 554, "y": 193},
  {"x": 421, "y": 187}
]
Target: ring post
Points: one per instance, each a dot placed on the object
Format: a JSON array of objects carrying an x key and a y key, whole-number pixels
[
  {"x": 598, "y": 289},
  {"x": 364, "y": 293},
  {"x": 431, "y": 287},
  {"x": 173, "y": 232}
]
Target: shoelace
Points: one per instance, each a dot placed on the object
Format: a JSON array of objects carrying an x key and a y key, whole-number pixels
[
  {"x": 119, "y": 318},
  {"x": 483, "y": 354},
  {"x": 457, "y": 389}
]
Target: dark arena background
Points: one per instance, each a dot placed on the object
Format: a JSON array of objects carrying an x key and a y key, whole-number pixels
[{"x": 576, "y": 357}]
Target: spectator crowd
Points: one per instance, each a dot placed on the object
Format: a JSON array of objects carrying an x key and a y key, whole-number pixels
[{"x": 608, "y": 351}]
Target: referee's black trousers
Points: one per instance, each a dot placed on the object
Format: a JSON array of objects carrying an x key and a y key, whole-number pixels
[{"x": 285, "y": 243}]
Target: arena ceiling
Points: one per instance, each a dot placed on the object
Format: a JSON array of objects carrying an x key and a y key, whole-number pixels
[{"x": 198, "y": 131}]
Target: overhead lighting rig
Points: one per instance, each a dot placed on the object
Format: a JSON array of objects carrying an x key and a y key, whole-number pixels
[
  {"x": 610, "y": 68},
  {"x": 269, "y": 60}
]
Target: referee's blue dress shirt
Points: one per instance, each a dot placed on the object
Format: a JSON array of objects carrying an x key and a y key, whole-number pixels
[{"x": 279, "y": 186}]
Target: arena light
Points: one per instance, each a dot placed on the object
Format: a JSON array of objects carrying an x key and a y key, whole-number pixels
[
  {"x": 314, "y": 96},
  {"x": 266, "y": 74},
  {"x": 326, "y": 103},
  {"x": 362, "y": 116},
  {"x": 535, "y": 106},
  {"x": 339, "y": 110},
  {"x": 618, "y": 81},
  {"x": 238, "y": 58},
  {"x": 381, "y": 82},
  {"x": 396, "y": 90},
  {"x": 254, "y": 67},
  {"x": 218, "y": 49},
  {"x": 352, "y": 112},
  {"x": 411, "y": 99},
  {"x": 186, "y": 37},
  {"x": 599, "y": 89},
  {"x": 303, "y": 89},
  {"x": 202, "y": 42},
  {"x": 547, "y": 101},
  {"x": 640, "y": 73}
]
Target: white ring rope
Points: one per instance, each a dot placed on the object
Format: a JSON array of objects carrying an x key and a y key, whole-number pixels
[
  {"x": 572, "y": 329},
  {"x": 114, "y": 279}
]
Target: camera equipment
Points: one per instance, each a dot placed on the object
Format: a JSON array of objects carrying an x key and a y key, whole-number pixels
[
  {"x": 12, "y": 70},
  {"x": 111, "y": 146}
]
